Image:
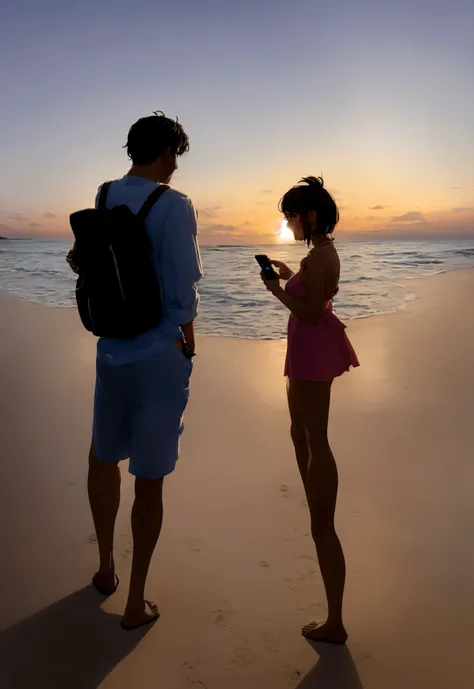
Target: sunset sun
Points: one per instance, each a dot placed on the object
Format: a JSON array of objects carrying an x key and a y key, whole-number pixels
[{"x": 285, "y": 234}]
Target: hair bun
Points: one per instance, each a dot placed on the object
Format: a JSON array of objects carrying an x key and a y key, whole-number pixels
[{"x": 313, "y": 181}]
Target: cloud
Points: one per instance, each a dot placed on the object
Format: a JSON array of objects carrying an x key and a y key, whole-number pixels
[
  {"x": 267, "y": 192},
  {"x": 462, "y": 209},
  {"x": 413, "y": 216},
  {"x": 455, "y": 188},
  {"x": 35, "y": 224},
  {"x": 247, "y": 223},
  {"x": 16, "y": 216},
  {"x": 377, "y": 208},
  {"x": 208, "y": 213},
  {"x": 49, "y": 215}
]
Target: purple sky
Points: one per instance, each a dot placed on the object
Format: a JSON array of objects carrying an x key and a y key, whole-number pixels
[{"x": 377, "y": 96}]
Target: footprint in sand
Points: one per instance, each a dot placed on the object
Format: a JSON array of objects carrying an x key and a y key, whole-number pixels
[
  {"x": 294, "y": 586},
  {"x": 191, "y": 674},
  {"x": 263, "y": 563},
  {"x": 242, "y": 656},
  {"x": 285, "y": 491},
  {"x": 293, "y": 675},
  {"x": 271, "y": 641},
  {"x": 302, "y": 583},
  {"x": 220, "y": 616},
  {"x": 92, "y": 539},
  {"x": 127, "y": 552},
  {"x": 71, "y": 484},
  {"x": 195, "y": 544},
  {"x": 315, "y": 610}
]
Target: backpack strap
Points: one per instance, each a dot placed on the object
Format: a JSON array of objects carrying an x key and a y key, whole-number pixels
[
  {"x": 104, "y": 190},
  {"x": 151, "y": 200}
]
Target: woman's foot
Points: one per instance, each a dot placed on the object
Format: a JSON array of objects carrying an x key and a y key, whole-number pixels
[
  {"x": 325, "y": 633},
  {"x": 139, "y": 617},
  {"x": 105, "y": 582}
]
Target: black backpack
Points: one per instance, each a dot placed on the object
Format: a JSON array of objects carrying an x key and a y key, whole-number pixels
[{"x": 118, "y": 293}]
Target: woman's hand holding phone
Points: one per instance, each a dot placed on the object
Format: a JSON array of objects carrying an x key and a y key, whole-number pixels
[
  {"x": 284, "y": 272},
  {"x": 272, "y": 285},
  {"x": 269, "y": 277}
]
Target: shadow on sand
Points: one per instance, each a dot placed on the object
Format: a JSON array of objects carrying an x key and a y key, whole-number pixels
[
  {"x": 335, "y": 669},
  {"x": 72, "y": 644}
]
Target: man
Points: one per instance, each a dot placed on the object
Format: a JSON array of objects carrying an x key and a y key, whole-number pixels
[{"x": 142, "y": 385}]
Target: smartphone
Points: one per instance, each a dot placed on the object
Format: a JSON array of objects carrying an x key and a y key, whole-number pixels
[{"x": 264, "y": 263}]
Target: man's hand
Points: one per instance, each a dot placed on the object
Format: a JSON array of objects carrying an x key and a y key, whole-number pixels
[
  {"x": 188, "y": 332},
  {"x": 284, "y": 272},
  {"x": 70, "y": 260}
]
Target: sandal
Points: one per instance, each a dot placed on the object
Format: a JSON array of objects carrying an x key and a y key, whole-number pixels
[
  {"x": 102, "y": 590},
  {"x": 155, "y": 615}
]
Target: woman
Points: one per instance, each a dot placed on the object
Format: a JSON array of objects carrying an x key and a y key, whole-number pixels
[{"x": 318, "y": 351}]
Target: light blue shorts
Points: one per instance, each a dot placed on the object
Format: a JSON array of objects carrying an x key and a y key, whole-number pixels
[{"x": 138, "y": 412}]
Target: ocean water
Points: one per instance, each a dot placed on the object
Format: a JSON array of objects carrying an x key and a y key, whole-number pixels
[{"x": 375, "y": 279}]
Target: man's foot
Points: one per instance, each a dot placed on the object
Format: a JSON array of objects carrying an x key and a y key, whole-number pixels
[
  {"x": 325, "y": 633},
  {"x": 133, "y": 619},
  {"x": 105, "y": 582}
]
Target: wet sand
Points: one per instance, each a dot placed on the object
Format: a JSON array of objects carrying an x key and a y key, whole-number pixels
[{"x": 235, "y": 573}]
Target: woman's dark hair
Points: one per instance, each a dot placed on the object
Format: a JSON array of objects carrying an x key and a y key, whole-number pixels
[
  {"x": 150, "y": 136},
  {"x": 310, "y": 195}
]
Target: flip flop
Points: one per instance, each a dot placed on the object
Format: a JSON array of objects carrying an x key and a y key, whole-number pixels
[
  {"x": 322, "y": 640},
  {"x": 103, "y": 591},
  {"x": 154, "y": 611}
]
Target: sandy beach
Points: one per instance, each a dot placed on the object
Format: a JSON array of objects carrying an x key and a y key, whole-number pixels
[{"x": 235, "y": 572}]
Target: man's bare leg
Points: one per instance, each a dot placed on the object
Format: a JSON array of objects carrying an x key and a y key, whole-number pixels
[
  {"x": 104, "y": 496},
  {"x": 147, "y": 518}
]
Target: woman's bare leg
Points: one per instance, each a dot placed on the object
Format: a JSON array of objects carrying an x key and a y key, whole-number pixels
[
  {"x": 312, "y": 400},
  {"x": 298, "y": 434}
]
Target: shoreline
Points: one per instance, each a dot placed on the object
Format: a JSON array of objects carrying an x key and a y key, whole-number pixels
[
  {"x": 377, "y": 279},
  {"x": 235, "y": 572},
  {"x": 404, "y": 282}
]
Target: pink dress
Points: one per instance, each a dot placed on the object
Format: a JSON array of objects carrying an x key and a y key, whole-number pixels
[{"x": 316, "y": 351}]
